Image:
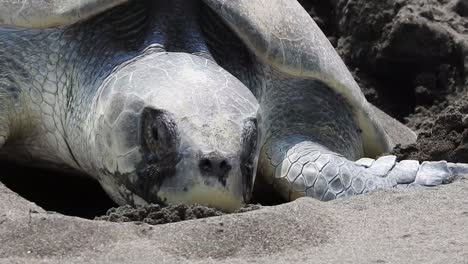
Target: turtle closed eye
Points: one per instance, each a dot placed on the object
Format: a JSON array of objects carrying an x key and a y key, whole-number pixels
[
  {"x": 249, "y": 138},
  {"x": 155, "y": 133},
  {"x": 158, "y": 134},
  {"x": 250, "y": 142}
]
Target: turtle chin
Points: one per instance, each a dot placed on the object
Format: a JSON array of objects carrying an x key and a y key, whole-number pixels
[{"x": 121, "y": 192}]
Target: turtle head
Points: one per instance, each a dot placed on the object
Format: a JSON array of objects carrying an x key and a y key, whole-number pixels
[{"x": 175, "y": 128}]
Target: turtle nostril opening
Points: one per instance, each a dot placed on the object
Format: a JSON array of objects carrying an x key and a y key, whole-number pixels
[
  {"x": 215, "y": 167},
  {"x": 206, "y": 166},
  {"x": 224, "y": 166}
]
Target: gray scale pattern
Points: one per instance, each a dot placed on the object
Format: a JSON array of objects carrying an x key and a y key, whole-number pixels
[{"x": 326, "y": 176}]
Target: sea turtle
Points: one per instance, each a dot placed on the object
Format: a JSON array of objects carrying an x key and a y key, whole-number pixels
[{"x": 179, "y": 101}]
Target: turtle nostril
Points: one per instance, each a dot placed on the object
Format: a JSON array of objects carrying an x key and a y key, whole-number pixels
[
  {"x": 224, "y": 166},
  {"x": 215, "y": 167},
  {"x": 205, "y": 165}
]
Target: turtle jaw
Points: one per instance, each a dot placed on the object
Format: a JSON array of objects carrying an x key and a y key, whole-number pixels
[
  {"x": 216, "y": 181},
  {"x": 189, "y": 182}
]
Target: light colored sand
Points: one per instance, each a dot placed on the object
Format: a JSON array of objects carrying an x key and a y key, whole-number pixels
[{"x": 415, "y": 226}]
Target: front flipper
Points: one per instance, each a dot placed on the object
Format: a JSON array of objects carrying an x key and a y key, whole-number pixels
[{"x": 309, "y": 169}]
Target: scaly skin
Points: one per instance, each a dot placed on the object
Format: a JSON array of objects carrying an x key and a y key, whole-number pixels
[
  {"x": 48, "y": 79},
  {"x": 309, "y": 169}
]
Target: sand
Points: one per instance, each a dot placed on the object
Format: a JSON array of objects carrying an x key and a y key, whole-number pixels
[{"x": 411, "y": 226}]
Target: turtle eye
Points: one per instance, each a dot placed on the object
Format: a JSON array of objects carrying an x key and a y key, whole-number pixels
[
  {"x": 250, "y": 140},
  {"x": 155, "y": 133},
  {"x": 158, "y": 136}
]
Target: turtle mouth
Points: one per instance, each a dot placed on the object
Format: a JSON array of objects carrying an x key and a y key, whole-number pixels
[
  {"x": 212, "y": 180},
  {"x": 184, "y": 183}
]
